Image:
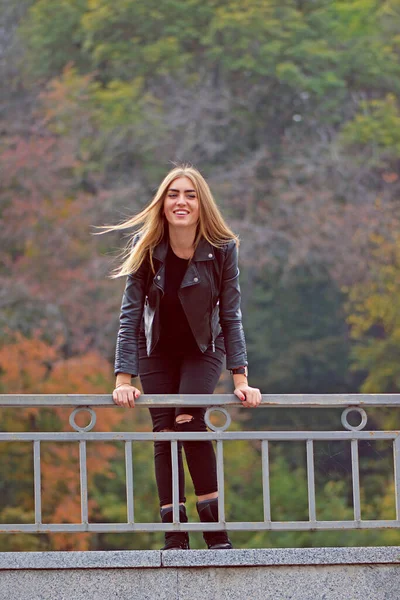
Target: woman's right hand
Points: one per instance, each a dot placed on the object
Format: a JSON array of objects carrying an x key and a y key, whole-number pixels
[{"x": 125, "y": 395}]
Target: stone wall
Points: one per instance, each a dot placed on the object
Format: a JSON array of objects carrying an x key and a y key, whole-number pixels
[{"x": 270, "y": 574}]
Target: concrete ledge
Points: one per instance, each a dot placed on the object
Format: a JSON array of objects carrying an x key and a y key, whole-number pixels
[
  {"x": 139, "y": 559},
  {"x": 281, "y": 556},
  {"x": 275, "y": 574},
  {"x": 120, "y": 559}
]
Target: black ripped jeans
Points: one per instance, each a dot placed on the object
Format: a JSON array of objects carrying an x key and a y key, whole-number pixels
[{"x": 175, "y": 370}]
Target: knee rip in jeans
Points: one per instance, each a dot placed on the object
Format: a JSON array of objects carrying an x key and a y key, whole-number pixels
[{"x": 180, "y": 419}]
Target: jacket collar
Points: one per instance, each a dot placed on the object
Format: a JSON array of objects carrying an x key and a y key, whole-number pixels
[{"x": 204, "y": 250}]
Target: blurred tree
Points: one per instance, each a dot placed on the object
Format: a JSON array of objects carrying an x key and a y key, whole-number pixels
[
  {"x": 53, "y": 31},
  {"x": 296, "y": 334},
  {"x": 16, "y": 100},
  {"x": 375, "y": 131},
  {"x": 273, "y": 65},
  {"x": 46, "y": 239},
  {"x": 374, "y": 317},
  {"x": 31, "y": 365}
]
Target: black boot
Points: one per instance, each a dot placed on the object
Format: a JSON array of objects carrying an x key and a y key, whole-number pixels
[
  {"x": 175, "y": 540},
  {"x": 208, "y": 513}
]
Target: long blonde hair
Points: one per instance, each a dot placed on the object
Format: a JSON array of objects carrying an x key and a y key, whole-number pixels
[{"x": 142, "y": 242}]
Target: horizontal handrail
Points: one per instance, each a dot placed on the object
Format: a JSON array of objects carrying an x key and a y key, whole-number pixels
[
  {"x": 157, "y": 400},
  {"x": 143, "y": 436},
  {"x": 231, "y": 525}
]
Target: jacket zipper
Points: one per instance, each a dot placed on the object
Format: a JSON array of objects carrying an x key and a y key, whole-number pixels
[{"x": 211, "y": 307}]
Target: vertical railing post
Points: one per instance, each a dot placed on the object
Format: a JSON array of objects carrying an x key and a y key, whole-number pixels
[
  {"x": 311, "y": 481},
  {"x": 355, "y": 470},
  {"x": 220, "y": 481},
  {"x": 37, "y": 482},
  {"x": 129, "y": 482},
  {"x": 83, "y": 481},
  {"x": 265, "y": 480},
  {"x": 175, "y": 481},
  {"x": 396, "y": 463}
]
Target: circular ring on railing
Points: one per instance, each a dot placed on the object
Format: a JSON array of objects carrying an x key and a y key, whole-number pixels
[
  {"x": 89, "y": 426},
  {"x": 222, "y": 410},
  {"x": 361, "y": 412}
]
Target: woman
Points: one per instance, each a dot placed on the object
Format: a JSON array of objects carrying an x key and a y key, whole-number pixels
[{"x": 182, "y": 277}]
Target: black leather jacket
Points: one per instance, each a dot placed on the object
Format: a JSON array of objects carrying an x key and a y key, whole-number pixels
[{"x": 210, "y": 296}]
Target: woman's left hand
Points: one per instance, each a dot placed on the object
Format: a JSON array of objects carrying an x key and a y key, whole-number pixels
[{"x": 249, "y": 396}]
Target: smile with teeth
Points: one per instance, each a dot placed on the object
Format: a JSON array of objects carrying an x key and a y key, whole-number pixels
[{"x": 181, "y": 212}]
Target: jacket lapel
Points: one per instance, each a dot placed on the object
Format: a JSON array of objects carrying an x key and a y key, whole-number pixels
[{"x": 204, "y": 251}]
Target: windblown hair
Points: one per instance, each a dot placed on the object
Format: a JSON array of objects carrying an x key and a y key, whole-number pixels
[{"x": 142, "y": 242}]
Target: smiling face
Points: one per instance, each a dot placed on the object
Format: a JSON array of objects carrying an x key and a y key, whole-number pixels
[{"x": 181, "y": 204}]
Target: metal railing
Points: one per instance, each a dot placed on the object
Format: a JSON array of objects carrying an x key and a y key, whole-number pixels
[{"x": 82, "y": 435}]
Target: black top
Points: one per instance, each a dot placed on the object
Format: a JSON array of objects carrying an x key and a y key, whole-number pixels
[{"x": 175, "y": 333}]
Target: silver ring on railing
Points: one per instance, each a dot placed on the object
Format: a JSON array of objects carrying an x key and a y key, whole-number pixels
[
  {"x": 361, "y": 412},
  {"x": 90, "y": 425},
  {"x": 222, "y": 410}
]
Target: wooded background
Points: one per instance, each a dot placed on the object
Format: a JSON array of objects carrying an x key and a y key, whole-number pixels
[{"x": 291, "y": 111}]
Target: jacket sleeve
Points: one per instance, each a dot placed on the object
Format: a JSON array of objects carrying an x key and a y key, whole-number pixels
[
  {"x": 126, "y": 351},
  {"x": 229, "y": 310}
]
